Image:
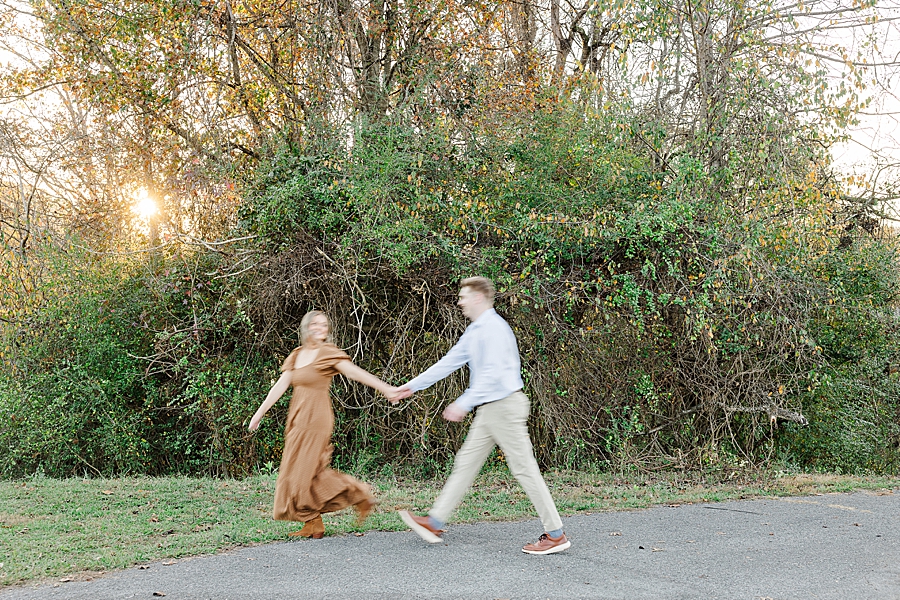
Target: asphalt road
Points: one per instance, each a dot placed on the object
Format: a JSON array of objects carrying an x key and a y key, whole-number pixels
[{"x": 836, "y": 546}]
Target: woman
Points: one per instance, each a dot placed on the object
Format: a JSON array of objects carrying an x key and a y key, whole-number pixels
[{"x": 306, "y": 486}]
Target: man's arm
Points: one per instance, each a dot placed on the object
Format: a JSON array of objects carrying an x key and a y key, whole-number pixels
[
  {"x": 490, "y": 353},
  {"x": 474, "y": 394},
  {"x": 453, "y": 360}
]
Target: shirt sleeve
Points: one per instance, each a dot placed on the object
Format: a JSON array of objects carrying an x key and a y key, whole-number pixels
[
  {"x": 288, "y": 364},
  {"x": 327, "y": 359},
  {"x": 492, "y": 350},
  {"x": 454, "y": 359}
]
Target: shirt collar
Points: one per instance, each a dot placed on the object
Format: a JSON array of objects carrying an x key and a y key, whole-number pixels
[{"x": 483, "y": 317}]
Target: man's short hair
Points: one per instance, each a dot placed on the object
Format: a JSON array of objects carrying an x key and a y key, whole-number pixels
[{"x": 482, "y": 285}]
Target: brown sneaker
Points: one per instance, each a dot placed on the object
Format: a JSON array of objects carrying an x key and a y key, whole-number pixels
[
  {"x": 548, "y": 545},
  {"x": 421, "y": 526}
]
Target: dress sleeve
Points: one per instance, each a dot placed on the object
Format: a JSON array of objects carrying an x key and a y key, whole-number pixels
[
  {"x": 288, "y": 364},
  {"x": 328, "y": 358}
]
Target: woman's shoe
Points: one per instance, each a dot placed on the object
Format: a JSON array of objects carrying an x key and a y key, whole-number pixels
[
  {"x": 364, "y": 509},
  {"x": 314, "y": 528}
]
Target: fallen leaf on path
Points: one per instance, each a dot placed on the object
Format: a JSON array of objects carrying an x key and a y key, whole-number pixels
[
  {"x": 169, "y": 563},
  {"x": 65, "y": 580},
  {"x": 159, "y": 593},
  {"x": 611, "y": 533}
]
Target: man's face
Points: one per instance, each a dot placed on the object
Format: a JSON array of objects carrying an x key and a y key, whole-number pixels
[{"x": 470, "y": 301}]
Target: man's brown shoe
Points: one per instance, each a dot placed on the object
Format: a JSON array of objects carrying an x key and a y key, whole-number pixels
[
  {"x": 548, "y": 545},
  {"x": 421, "y": 526}
]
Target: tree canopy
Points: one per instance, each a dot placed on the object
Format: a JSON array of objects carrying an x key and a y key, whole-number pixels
[{"x": 691, "y": 279}]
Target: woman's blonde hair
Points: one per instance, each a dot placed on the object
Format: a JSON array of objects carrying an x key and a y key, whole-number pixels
[{"x": 307, "y": 319}]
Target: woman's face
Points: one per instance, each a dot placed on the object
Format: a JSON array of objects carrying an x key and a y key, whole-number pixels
[{"x": 317, "y": 331}]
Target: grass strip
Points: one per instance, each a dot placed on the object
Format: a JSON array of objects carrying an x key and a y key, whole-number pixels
[{"x": 75, "y": 529}]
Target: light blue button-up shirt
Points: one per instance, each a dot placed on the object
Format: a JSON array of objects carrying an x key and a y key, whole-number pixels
[{"x": 489, "y": 347}]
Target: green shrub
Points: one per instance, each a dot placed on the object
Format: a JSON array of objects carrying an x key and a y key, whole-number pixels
[
  {"x": 666, "y": 315},
  {"x": 74, "y": 401}
]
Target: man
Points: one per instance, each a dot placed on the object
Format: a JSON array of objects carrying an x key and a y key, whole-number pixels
[{"x": 489, "y": 347}]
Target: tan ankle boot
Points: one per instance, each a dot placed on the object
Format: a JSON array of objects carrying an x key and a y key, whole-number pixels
[{"x": 314, "y": 528}]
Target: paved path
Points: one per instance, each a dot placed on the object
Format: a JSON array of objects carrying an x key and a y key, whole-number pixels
[{"x": 836, "y": 546}]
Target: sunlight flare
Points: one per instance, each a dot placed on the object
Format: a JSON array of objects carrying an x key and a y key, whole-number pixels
[{"x": 145, "y": 207}]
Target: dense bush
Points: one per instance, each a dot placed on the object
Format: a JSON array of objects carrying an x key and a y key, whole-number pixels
[
  {"x": 666, "y": 315},
  {"x": 854, "y": 423},
  {"x": 73, "y": 398}
]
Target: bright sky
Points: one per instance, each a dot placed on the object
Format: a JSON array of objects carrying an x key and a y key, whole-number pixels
[
  {"x": 878, "y": 131},
  {"x": 875, "y": 141}
]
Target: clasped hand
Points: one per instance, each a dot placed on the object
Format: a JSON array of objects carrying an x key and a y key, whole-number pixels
[
  {"x": 451, "y": 413},
  {"x": 396, "y": 394}
]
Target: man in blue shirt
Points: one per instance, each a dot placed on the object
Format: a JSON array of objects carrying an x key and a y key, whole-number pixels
[{"x": 489, "y": 347}]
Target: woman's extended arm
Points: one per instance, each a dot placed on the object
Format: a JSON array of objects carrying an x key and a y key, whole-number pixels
[
  {"x": 277, "y": 391},
  {"x": 351, "y": 371}
]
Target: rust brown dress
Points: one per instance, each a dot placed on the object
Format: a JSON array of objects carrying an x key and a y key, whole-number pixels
[{"x": 306, "y": 486}]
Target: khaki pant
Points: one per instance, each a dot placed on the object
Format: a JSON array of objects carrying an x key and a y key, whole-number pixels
[{"x": 504, "y": 423}]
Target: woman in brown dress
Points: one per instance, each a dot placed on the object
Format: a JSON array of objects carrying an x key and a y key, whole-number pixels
[{"x": 306, "y": 486}]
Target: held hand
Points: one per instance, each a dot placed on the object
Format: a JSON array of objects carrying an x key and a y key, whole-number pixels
[
  {"x": 254, "y": 423},
  {"x": 454, "y": 413},
  {"x": 391, "y": 394},
  {"x": 398, "y": 394}
]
